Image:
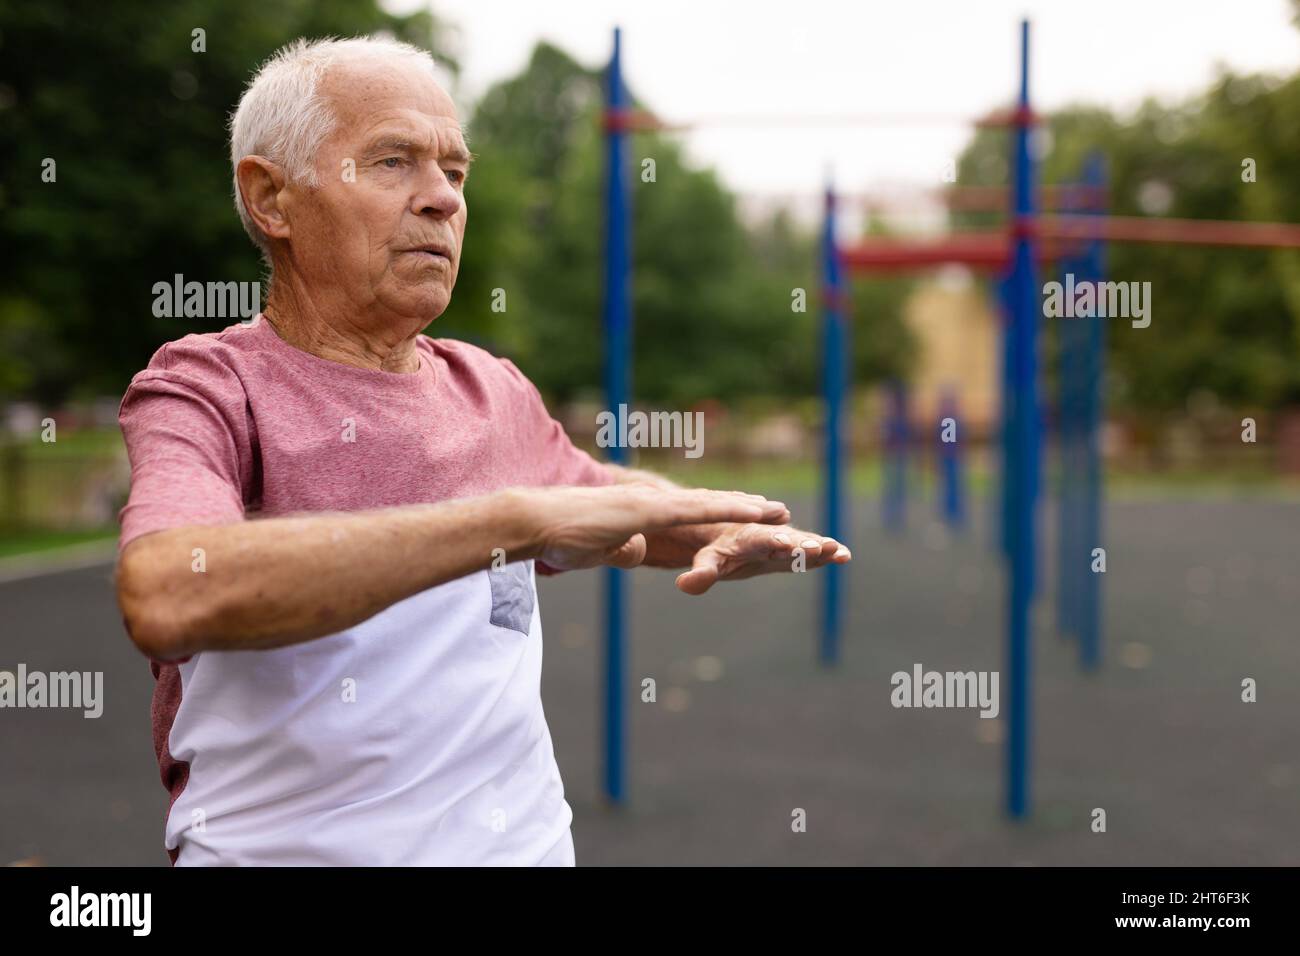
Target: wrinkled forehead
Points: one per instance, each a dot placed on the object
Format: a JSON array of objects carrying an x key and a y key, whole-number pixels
[{"x": 367, "y": 91}]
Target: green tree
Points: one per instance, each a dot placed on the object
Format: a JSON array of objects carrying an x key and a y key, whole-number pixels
[
  {"x": 712, "y": 290},
  {"x": 1224, "y": 320},
  {"x": 135, "y": 120}
]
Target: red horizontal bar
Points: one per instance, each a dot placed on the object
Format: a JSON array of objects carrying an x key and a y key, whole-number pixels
[
  {"x": 635, "y": 120},
  {"x": 992, "y": 198},
  {"x": 979, "y": 250},
  {"x": 1196, "y": 232},
  {"x": 628, "y": 121},
  {"x": 1056, "y": 234},
  {"x": 984, "y": 198},
  {"x": 1017, "y": 116}
]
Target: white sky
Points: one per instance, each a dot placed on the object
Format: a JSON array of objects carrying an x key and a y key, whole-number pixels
[{"x": 852, "y": 56}]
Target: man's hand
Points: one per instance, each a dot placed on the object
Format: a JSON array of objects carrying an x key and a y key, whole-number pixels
[
  {"x": 729, "y": 552},
  {"x": 742, "y": 551},
  {"x": 585, "y": 527}
]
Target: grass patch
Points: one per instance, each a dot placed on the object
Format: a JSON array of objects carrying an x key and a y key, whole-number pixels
[
  {"x": 17, "y": 543},
  {"x": 72, "y": 443},
  {"x": 790, "y": 477}
]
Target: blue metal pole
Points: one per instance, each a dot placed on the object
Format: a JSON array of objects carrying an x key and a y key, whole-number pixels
[
  {"x": 617, "y": 323},
  {"x": 835, "y": 365},
  {"x": 952, "y": 495},
  {"x": 1026, "y": 425},
  {"x": 893, "y": 487},
  {"x": 1072, "y": 338},
  {"x": 1006, "y": 445},
  {"x": 1090, "y": 630}
]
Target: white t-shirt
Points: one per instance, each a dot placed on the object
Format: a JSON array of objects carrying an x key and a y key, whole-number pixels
[{"x": 415, "y": 738}]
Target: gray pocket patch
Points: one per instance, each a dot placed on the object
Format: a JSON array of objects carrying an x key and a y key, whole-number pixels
[{"x": 512, "y": 596}]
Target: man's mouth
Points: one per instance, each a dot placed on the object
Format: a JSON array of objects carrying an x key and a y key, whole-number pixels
[{"x": 432, "y": 252}]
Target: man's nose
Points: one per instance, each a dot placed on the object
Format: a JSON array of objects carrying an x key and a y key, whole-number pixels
[{"x": 437, "y": 197}]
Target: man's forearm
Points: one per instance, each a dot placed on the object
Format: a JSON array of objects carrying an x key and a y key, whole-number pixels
[
  {"x": 274, "y": 582},
  {"x": 280, "y": 581}
]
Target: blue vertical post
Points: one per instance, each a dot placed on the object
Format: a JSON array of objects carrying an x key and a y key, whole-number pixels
[
  {"x": 1006, "y": 446},
  {"x": 617, "y": 323},
  {"x": 1090, "y": 633},
  {"x": 835, "y": 365},
  {"x": 897, "y": 437},
  {"x": 952, "y": 498},
  {"x": 1025, "y": 427},
  {"x": 1072, "y": 340}
]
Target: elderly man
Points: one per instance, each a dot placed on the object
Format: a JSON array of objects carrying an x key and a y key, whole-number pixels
[{"x": 354, "y": 676}]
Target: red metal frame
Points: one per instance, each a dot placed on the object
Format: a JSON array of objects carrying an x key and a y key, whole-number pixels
[
  {"x": 635, "y": 120},
  {"x": 989, "y": 250}
]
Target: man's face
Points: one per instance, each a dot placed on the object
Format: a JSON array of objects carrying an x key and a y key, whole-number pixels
[{"x": 386, "y": 225}]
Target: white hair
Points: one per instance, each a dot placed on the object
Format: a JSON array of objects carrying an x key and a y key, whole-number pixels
[{"x": 283, "y": 117}]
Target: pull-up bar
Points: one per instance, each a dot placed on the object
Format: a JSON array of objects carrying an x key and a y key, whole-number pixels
[
  {"x": 620, "y": 120},
  {"x": 998, "y": 198},
  {"x": 984, "y": 198},
  {"x": 978, "y": 250},
  {"x": 1194, "y": 232},
  {"x": 961, "y": 198},
  {"x": 990, "y": 250},
  {"x": 634, "y": 120},
  {"x": 1015, "y": 250}
]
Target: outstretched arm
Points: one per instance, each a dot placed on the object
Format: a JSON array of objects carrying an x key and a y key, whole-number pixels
[{"x": 279, "y": 581}]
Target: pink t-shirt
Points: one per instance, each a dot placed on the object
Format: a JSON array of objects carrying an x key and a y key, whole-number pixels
[
  {"x": 238, "y": 422},
  {"x": 415, "y": 737}
]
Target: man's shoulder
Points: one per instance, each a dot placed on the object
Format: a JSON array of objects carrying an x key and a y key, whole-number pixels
[{"x": 208, "y": 357}]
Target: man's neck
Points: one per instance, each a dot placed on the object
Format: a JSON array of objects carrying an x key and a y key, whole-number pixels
[{"x": 333, "y": 335}]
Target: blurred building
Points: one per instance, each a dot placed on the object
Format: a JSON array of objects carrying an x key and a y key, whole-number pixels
[{"x": 956, "y": 328}]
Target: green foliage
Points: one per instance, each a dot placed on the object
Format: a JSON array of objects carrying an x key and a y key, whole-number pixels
[
  {"x": 136, "y": 122},
  {"x": 712, "y": 292},
  {"x": 143, "y": 193},
  {"x": 1223, "y": 320}
]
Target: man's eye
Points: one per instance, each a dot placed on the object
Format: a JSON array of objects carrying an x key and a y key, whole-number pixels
[
  {"x": 392, "y": 162},
  {"x": 455, "y": 176}
]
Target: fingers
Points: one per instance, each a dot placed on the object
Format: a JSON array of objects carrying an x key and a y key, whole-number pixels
[
  {"x": 700, "y": 506},
  {"x": 760, "y": 551},
  {"x": 774, "y": 512},
  {"x": 629, "y": 554},
  {"x": 817, "y": 550},
  {"x": 703, "y": 574}
]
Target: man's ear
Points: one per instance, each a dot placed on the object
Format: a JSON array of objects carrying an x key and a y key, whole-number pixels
[{"x": 260, "y": 184}]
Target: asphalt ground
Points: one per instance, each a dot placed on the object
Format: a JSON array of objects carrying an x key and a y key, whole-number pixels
[{"x": 747, "y": 728}]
